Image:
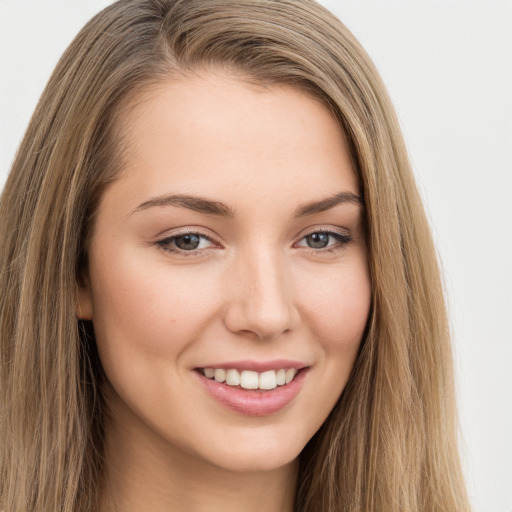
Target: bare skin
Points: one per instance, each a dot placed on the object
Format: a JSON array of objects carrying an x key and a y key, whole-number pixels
[
  {"x": 233, "y": 236},
  {"x": 177, "y": 484}
]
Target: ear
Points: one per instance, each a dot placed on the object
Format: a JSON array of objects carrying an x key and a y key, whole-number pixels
[{"x": 83, "y": 299}]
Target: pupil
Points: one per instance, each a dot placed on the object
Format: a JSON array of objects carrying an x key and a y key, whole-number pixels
[
  {"x": 318, "y": 240},
  {"x": 187, "y": 242}
]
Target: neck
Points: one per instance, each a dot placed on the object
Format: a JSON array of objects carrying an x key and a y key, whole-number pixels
[{"x": 143, "y": 472}]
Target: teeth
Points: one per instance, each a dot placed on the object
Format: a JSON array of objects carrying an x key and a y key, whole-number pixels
[
  {"x": 268, "y": 380},
  {"x": 232, "y": 378},
  {"x": 248, "y": 379},
  {"x": 290, "y": 374},
  {"x": 209, "y": 372},
  {"x": 220, "y": 375}
]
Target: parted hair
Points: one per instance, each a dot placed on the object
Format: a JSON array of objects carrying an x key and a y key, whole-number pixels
[{"x": 390, "y": 443}]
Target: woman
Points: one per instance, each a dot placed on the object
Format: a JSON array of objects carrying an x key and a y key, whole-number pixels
[{"x": 214, "y": 295}]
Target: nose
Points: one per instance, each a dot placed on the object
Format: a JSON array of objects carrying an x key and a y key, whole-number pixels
[{"x": 261, "y": 302}]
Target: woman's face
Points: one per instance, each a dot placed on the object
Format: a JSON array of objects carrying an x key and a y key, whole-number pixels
[{"x": 232, "y": 244}]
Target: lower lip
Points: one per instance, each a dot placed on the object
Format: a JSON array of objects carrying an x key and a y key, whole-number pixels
[{"x": 254, "y": 402}]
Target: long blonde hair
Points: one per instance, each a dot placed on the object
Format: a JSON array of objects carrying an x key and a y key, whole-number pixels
[{"x": 390, "y": 444}]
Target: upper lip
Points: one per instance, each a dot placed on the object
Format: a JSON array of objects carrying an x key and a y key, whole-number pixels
[{"x": 258, "y": 366}]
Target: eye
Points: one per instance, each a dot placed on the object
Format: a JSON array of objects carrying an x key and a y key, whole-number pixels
[
  {"x": 317, "y": 240},
  {"x": 324, "y": 240},
  {"x": 186, "y": 243}
]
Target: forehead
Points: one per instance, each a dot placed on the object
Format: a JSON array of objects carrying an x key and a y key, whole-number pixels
[{"x": 216, "y": 134}]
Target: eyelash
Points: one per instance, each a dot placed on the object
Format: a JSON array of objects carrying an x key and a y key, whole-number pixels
[
  {"x": 341, "y": 240},
  {"x": 167, "y": 244}
]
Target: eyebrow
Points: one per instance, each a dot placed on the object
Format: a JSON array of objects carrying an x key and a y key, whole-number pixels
[
  {"x": 198, "y": 204},
  {"x": 328, "y": 203},
  {"x": 217, "y": 208}
]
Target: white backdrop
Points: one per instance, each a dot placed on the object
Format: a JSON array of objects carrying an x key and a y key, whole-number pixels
[{"x": 448, "y": 67}]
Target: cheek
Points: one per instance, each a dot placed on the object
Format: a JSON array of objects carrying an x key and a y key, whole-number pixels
[
  {"x": 335, "y": 308},
  {"x": 148, "y": 310},
  {"x": 337, "y": 305}
]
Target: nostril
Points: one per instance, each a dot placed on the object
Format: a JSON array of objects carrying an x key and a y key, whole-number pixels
[
  {"x": 261, "y": 304},
  {"x": 264, "y": 325}
]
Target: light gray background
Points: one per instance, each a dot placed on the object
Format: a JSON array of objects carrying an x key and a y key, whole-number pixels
[{"x": 448, "y": 67}]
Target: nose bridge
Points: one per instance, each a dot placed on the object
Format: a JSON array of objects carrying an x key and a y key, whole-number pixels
[{"x": 263, "y": 300}]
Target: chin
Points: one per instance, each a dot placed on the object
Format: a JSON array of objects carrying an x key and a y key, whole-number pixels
[{"x": 256, "y": 454}]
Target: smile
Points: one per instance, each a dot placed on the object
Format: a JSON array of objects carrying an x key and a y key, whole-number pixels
[
  {"x": 248, "y": 379},
  {"x": 254, "y": 389}
]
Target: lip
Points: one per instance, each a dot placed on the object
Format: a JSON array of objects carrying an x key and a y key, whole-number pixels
[{"x": 253, "y": 402}]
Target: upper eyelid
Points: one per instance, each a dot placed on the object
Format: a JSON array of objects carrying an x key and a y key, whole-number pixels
[
  {"x": 324, "y": 229},
  {"x": 169, "y": 234}
]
